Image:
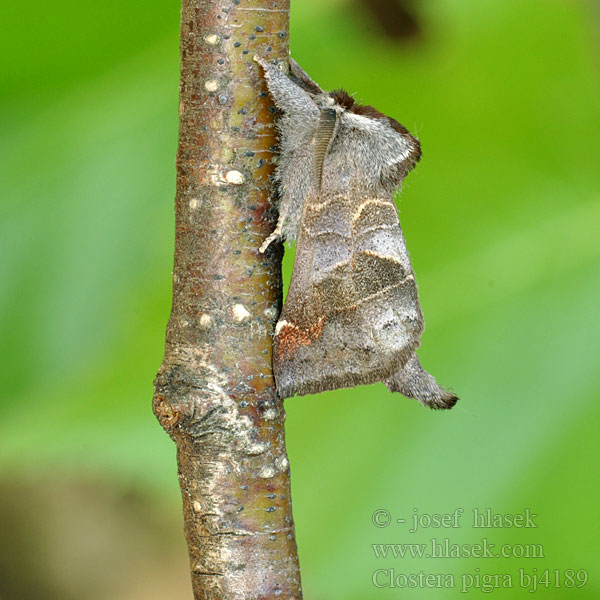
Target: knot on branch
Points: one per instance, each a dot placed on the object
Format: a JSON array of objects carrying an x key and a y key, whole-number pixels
[
  {"x": 168, "y": 415},
  {"x": 193, "y": 407}
]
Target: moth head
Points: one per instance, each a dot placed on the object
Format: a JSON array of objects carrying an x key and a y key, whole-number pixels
[{"x": 397, "y": 149}]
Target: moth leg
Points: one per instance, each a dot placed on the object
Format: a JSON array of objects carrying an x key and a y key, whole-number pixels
[
  {"x": 288, "y": 96},
  {"x": 276, "y": 235},
  {"x": 413, "y": 381}
]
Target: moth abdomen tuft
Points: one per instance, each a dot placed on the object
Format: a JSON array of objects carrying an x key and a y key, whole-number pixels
[{"x": 413, "y": 381}]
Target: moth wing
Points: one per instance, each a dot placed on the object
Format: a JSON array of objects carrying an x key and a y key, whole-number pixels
[{"x": 352, "y": 314}]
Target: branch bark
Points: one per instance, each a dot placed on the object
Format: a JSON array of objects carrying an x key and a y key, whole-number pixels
[{"x": 214, "y": 392}]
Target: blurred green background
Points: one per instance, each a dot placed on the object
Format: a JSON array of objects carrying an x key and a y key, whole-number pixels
[{"x": 502, "y": 219}]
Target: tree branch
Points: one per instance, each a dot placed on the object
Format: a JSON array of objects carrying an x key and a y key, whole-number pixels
[{"x": 214, "y": 393}]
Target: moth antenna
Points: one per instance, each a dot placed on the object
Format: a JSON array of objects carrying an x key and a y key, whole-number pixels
[{"x": 328, "y": 123}]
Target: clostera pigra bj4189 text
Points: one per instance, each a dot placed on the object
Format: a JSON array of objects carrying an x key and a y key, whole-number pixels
[{"x": 352, "y": 313}]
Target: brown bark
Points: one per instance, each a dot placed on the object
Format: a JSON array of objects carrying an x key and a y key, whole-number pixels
[{"x": 214, "y": 393}]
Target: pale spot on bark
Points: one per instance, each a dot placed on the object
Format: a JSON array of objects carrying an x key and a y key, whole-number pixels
[
  {"x": 194, "y": 203},
  {"x": 197, "y": 506},
  {"x": 212, "y": 39},
  {"x": 283, "y": 463},
  {"x": 239, "y": 312},
  {"x": 270, "y": 414},
  {"x": 212, "y": 85},
  {"x": 256, "y": 449},
  {"x": 234, "y": 177},
  {"x": 205, "y": 321},
  {"x": 267, "y": 472}
]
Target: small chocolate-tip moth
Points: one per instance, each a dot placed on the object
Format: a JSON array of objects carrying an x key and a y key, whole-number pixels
[{"x": 352, "y": 313}]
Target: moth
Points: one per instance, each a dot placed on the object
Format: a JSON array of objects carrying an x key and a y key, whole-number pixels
[{"x": 352, "y": 313}]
